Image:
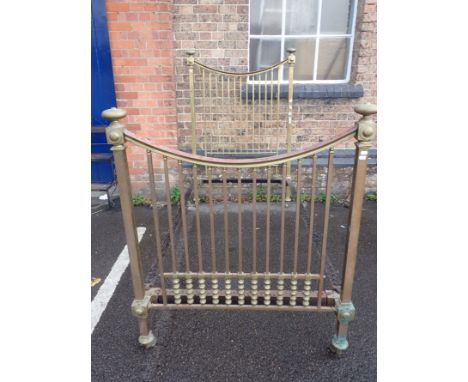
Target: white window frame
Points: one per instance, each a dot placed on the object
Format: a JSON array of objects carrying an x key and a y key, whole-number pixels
[{"x": 317, "y": 37}]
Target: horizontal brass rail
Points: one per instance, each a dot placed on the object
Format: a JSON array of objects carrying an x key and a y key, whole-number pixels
[
  {"x": 239, "y": 163},
  {"x": 278, "y": 308},
  {"x": 245, "y": 74}
]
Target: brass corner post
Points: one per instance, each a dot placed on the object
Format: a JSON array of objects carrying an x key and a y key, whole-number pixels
[
  {"x": 291, "y": 64},
  {"x": 115, "y": 137},
  {"x": 190, "y": 63},
  {"x": 345, "y": 308}
]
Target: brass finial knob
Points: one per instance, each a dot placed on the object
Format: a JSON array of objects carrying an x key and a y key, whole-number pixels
[
  {"x": 113, "y": 114},
  {"x": 190, "y": 53},
  {"x": 365, "y": 109},
  {"x": 291, "y": 50}
]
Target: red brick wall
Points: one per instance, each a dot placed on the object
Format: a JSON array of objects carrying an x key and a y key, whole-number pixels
[{"x": 142, "y": 48}]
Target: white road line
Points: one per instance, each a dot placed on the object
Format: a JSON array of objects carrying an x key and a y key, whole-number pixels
[{"x": 105, "y": 292}]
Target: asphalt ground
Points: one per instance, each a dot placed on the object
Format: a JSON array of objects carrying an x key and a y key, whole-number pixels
[{"x": 234, "y": 346}]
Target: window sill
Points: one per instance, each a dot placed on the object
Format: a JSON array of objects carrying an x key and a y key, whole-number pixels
[
  {"x": 325, "y": 91},
  {"x": 316, "y": 91}
]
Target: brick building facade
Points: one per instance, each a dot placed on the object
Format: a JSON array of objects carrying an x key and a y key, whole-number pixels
[{"x": 149, "y": 39}]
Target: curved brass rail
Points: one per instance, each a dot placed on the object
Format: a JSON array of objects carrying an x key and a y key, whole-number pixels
[
  {"x": 238, "y": 163},
  {"x": 245, "y": 74}
]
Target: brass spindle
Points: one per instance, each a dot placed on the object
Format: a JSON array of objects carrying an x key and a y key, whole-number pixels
[
  {"x": 267, "y": 234},
  {"x": 265, "y": 96},
  {"x": 190, "y": 64},
  {"x": 229, "y": 105},
  {"x": 323, "y": 255},
  {"x": 183, "y": 215},
  {"x": 308, "y": 282},
  {"x": 271, "y": 108},
  {"x": 283, "y": 206},
  {"x": 203, "y": 92},
  {"x": 298, "y": 206},
  {"x": 175, "y": 280},
  {"x": 212, "y": 238},
  {"x": 247, "y": 125},
  {"x": 253, "y": 111},
  {"x": 254, "y": 220},
  {"x": 278, "y": 120},
  {"x": 279, "y": 300},
  {"x": 210, "y": 102},
  {"x": 157, "y": 233},
  {"x": 201, "y": 281},
  {"x": 226, "y": 238},
  {"x": 292, "y": 300},
  {"x": 239, "y": 237}
]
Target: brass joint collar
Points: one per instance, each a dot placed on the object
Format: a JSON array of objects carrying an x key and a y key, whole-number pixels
[
  {"x": 365, "y": 126},
  {"x": 190, "y": 58},
  {"x": 140, "y": 308},
  {"x": 345, "y": 312},
  {"x": 291, "y": 56},
  {"x": 115, "y": 133}
]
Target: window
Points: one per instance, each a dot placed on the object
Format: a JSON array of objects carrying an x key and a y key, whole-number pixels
[{"x": 322, "y": 31}]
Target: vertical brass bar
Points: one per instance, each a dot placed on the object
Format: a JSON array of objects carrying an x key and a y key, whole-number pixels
[
  {"x": 226, "y": 221},
  {"x": 212, "y": 222},
  {"x": 157, "y": 232},
  {"x": 213, "y": 146},
  {"x": 229, "y": 106},
  {"x": 210, "y": 102},
  {"x": 214, "y": 281},
  {"x": 278, "y": 119},
  {"x": 196, "y": 196},
  {"x": 175, "y": 280},
  {"x": 240, "y": 281},
  {"x": 203, "y": 116},
  {"x": 227, "y": 285},
  {"x": 267, "y": 235},
  {"x": 221, "y": 135},
  {"x": 311, "y": 216},
  {"x": 323, "y": 255},
  {"x": 247, "y": 126},
  {"x": 265, "y": 95},
  {"x": 283, "y": 206},
  {"x": 190, "y": 63},
  {"x": 267, "y": 241},
  {"x": 188, "y": 280},
  {"x": 239, "y": 220},
  {"x": 271, "y": 111},
  {"x": 169, "y": 215},
  {"x": 183, "y": 216},
  {"x": 253, "y": 113},
  {"x": 298, "y": 205},
  {"x": 291, "y": 64},
  {"x": 254, "y": 220}
]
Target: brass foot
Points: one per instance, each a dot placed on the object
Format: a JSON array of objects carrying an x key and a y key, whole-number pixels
[
  {"x": 339, "y": 345},
  {"x": 147, "y": 341}
]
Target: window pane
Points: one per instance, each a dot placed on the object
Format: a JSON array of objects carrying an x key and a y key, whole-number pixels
[
  {"x": 333, "y": 58},
  {"x": 305, "y": 52},
  {"x": 264, "y": 53},
  {"x": 265, "y": 16},
  {"x": 337, "y": 16},
  {"x": 301, "y": 16}
]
